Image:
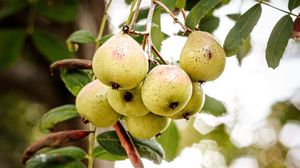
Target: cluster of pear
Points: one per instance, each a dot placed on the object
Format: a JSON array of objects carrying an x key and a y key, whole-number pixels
[{"x": 148, "y": 100}]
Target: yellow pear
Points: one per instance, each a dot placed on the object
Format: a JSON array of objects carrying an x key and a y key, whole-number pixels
[
  {"x": 127, "y": 102},
  {"x": 166, "y": 90},
  {"x": 120, "y": 62},
  {"x": 146, "y": 126},
  {"x": 202, "y": 57},
  {"x": 92, "y": 104},
  {"x": 194, "y": 105}
]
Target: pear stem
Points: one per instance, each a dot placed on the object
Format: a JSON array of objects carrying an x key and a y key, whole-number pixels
[
  {"x": 70, "y": 64},
  {"x": 128, "y": 145}
]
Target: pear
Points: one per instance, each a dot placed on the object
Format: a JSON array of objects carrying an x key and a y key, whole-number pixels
[
  {"x": 202, "y": 57},
  {"x": 194, "y": 105},
  {"x": 92, "y": 104},
  {"x": 127, "y": 102},
  {"x": 120, "y": 62},
  {"x": 146, "y": 126},
  {"x": 166, "y": 90}
]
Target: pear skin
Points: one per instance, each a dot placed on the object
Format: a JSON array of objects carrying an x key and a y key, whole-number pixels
[
  {"x": 194, "y": 105},
  {"x": 202, "y": 57},
  {"x": 120, "y": 62},
  {"x": 127, "y": 102},
  {"x": 92, "y": 104},
  {"x": 146, "y": 126},
  {"x": 166, "y": 90}
]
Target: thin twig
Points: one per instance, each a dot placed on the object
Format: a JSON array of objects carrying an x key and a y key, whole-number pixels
[
  {"x": 128, "y": 145},
  {"x": 103, "y": 22},
  {"x": 176, "y": 20},
  {"x": 143, "y": 33},
  {"x": 71, "y": 64},
  {"x": 183, "y": 12},
  {"x": 135, "y": 14},
  {"x": 131, "y": 12},
  {"x": 274, "y": 7},
  {"x": 148, "y": 29},
  {"x": 158, "y": 54}
]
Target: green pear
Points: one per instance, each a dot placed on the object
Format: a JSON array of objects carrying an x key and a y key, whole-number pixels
[
  {"x": 127, "y": 102},
  {"x": 92, "y": 104},
  {"x": 194, "y": 105},
  {"x": 166, "y": 90},
  {"x": 202, "y": 57},
  {"x": 146, "y": 126},
  {"x": 120, "y": 62}
]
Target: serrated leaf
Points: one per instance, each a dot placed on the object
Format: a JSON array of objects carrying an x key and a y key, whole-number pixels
[
  {"x": 57, "y": 115},
  {"x": 149, "y": 148},
  {"x": 198, "y": 11},
  {"x": 81, "y": 36},
  {"x": 209, "y": 24},
  {"x": 170, "y": 147},
  {"x": 234, "y": 16},
  {"x": 100, "y": 153},
  {"x": 11, "y": 7},
  {"x": 278, "y": 40},
  {"x": 293, "y": 4},
  {"x": 58, "y": 11},
  {"x": 75, "y": 80},
  {"x": 241, "y": 30},
  {"x": 244, "y": 50},
  {"x": 11, "y": 45},
  {"x": 180, "y": 4},
  {"x": 49, "y": 46},
  {"x": 213, "y": 106}
]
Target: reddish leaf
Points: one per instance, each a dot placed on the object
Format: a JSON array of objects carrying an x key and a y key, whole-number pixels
[{"x": 296, "y": 30}]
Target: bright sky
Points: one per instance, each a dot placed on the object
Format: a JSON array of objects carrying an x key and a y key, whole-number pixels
[{"x": 248, "y": 90}]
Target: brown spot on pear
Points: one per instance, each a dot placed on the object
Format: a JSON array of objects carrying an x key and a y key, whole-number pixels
[
  {"x": 194, "y": 105},
  {"x": 166, "y": 90},
  {"x": 202, "y": 57},
  {"x": 146, "y": 126},
  {"x": 92, "y": 104},
  {"x": 120, "y": 62},
  {"x": 127, "y": 102}
]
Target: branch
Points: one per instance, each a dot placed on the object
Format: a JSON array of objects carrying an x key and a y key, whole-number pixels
[
  {"x": 128, "y": 145},
  {"x": 135, "y": 14},
  {"x": 71, "y": 64},
  {"x": 158, "y": 54},
  {"x": 102, "y": 25},
  {"x": 274, "y": 7}
]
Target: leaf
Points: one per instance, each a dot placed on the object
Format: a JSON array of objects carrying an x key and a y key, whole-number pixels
[
  {"x": 143, "y": 13},
  {"x": 156, "y": 35},
  {"x": 149, "y": 148},
  {"x": 105, "y": 38},
  {"x": 11, "y": 8},
  {"x": 81, "y": 36},
  {"x": 278, "y": 40},
  {"x": 71, "y": 151},
  {"x": 244, "y": 50},
  {"x": 209, "y": 24},
  {"x": 170, "y": 4},
  {"x": 100, "y": 153},
  {"x": 180, "y": 4},
  {"x": 49, "y": 46},
  {"x": 57, "y": 115},
  {"x": 234, "y": 16},
  {"x": 58, "y": 11},
  {"x": 51, "y": 161},
  {"x": 285, "y": 111},
  {"x": 11, "y": 45},
  {"x": 170, "y": 147},
  {"x": 293, "y": 4},
  {"x": 198, "y": 11},
  {"x": 241, "y": 30},
  {"x": 213, "y": 106},
  {"x": 75, "y": 80}
]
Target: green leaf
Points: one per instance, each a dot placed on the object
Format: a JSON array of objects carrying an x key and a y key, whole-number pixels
[
  {"x": 143, "y": 13},
  {"x": 57, "y": 115},
  {"x": 105, "y": 38},
  {"x": 234, "y": 16},
  {"x": 49, "y": 46},
  {"x": 209, "y": 24},
  {"x": 75, "y": 80},
  {"x": 285, "y": 111},
  {"x": 11, "y": 8},
  {"x": 213, "y": 106},
  {"x": 70, "y": 151},
  {"x": 180, "y": 4},
  {"x": 58, "y": 11},
  {"x": 149, "y": 148},
  {"x": 11, "y": 45},
  {"x": 100, "y": 153},
  {"x": 278, "y": 40},
  {"x": 293, "y": 4},
  {"x": 241, "y": 30},
  {"x": 198, "y": 11},
  {"x": 156, "y": 35},
  {"x": 170, "y": 4},
  {"x": 170, "y": 147},
  {"x": 81, "y": 36},
  {"x": 244, "y": 50}
]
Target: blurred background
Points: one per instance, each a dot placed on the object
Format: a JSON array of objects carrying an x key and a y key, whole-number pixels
[{"x": 250, "y": 120}]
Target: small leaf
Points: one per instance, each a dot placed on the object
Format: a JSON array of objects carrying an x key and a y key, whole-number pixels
[
  {"x": 241, "y": 30},
  {"x": 234, "y": 16},
  {"x": 244, "y": 50},
  {"x": 102, "y": 154},
  {"x": 293, "y": 4},
  {"x": 149, "y": 148},
  {"x": 11, "y": 45},
  {"x": 198, "y": 11},
  {"x": 81, "y": 36},
  {"x": 278, "y": 40},
  {"x": 105, "y": 38},
  {"x": 209, "y": 24},
  {"x": 57, "y": 115},
  {"x": 75, "y": 80},
  {"x": 170, "y": 147},
  {"x": 58, "y": 11},
  {"x": 49, "y": 46},
  {"x": 71, "y": 151},
  {"x": 11, "y": 8},
  {"x": 180, "y": 4},
  {"x": 213, "y": 106}
]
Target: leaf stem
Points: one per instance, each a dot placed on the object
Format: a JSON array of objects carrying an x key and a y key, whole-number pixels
[
  {"x": 176, "y": 20},
  {"x": 102, "y": 25},
  {"x": 274, "y": 7},
  {"x": 91, "y": 143},
  {"x": 128, "y": 145}
]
